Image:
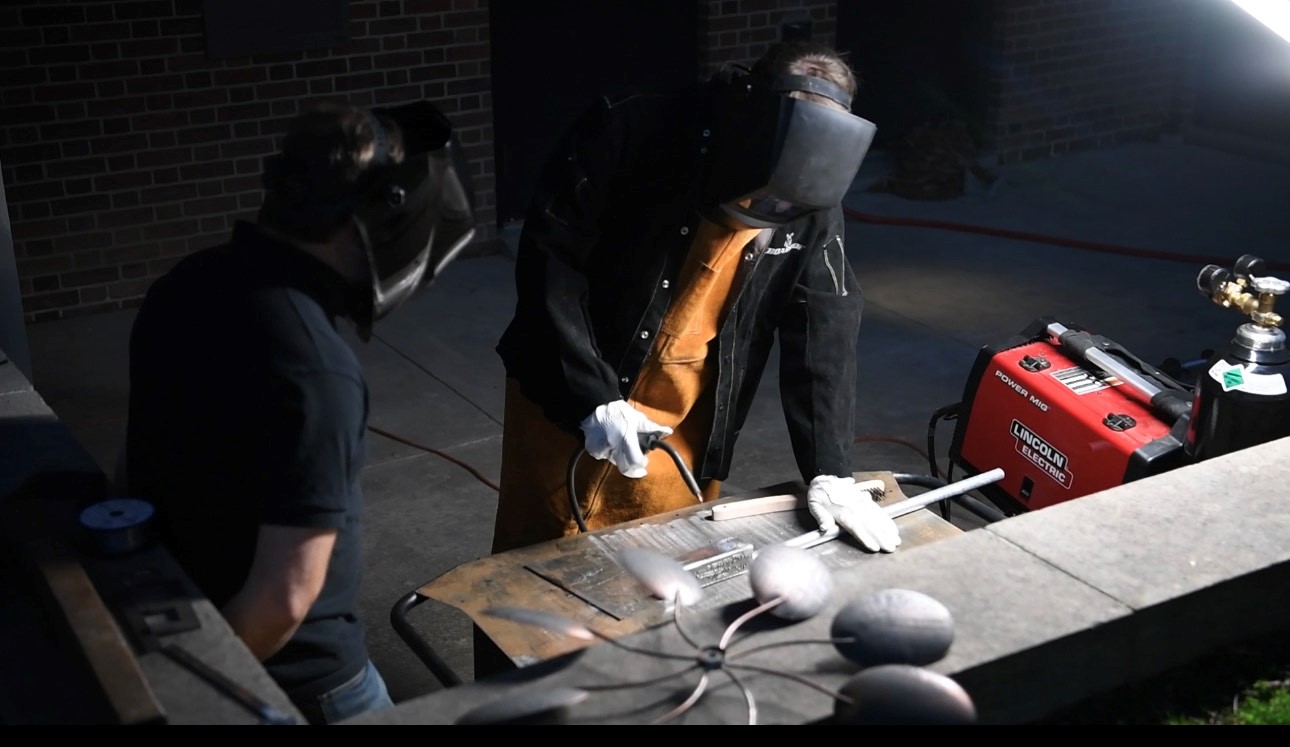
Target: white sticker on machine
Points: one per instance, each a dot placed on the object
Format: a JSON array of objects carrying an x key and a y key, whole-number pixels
[{"x": 1239, "y": 377}]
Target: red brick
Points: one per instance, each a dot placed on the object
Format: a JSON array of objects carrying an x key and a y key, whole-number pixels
[
  {"x": 335, "y": 66},
  {"x": 37, "y": 191},
  {"x": 212, "y": 205},
  {"x": 126, "y": 180},
  {"x": 362, "y": 81},
  {"x": 259, "y": 146},
  {"x": 163, "y": 157},
  {"x": 209, "y": 134},
  {"x": 44, "y": 301},
  {"x": 167, "y": 211},
  {"x": 30, "y": 267},
  {"x": 58, "y": 169},
  {"x": 127, "y": 217},
  {"x": 170, "y": 229},
  {"x": 47, "y": 15},
  {"x": 239, "y": 76},
  {"x": 170, "y": 193},
  {"x": 131, "y": 254},
  {"x": 99, "y": 32},
  {"x": 129, "y": 288},
  {"x": 44, "y": 283},
  {"x": 281, "y": 90},
  {"x": 97, "y": 276}
]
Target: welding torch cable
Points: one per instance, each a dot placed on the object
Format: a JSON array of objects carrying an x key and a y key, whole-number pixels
[{"x": 648, "y": 441}]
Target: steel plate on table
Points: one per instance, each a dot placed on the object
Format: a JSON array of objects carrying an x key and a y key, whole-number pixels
[{"x": 593, "y": 575}]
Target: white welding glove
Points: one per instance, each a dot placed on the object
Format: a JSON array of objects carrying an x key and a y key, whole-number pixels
[
  {"x": 613, "y": 432},
  {"x": 837, "y": 501}
]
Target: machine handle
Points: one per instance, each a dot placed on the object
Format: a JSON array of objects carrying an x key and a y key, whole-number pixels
[{"x": 1172, "y": 404}]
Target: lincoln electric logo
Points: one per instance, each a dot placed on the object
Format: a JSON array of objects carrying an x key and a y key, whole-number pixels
[{"x": 1043, "y": 454}]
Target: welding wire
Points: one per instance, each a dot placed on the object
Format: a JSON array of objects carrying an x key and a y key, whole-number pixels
[{"x": 907, "y": 506}]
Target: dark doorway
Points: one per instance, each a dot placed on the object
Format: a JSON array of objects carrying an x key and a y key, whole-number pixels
[
  {"x": 551, "y": 59},
  {"x": 920, "y": 62}
]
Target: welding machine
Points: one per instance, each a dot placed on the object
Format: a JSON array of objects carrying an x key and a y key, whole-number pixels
[{"x": 1066, "y": 413}]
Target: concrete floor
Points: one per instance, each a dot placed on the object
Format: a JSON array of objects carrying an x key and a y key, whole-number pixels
[{"x": 935, "y": 296}]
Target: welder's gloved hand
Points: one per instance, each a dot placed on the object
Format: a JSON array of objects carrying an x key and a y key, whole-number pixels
[
  {"x": 838, "y": 501},
  {"x": 613, "y": 431}
]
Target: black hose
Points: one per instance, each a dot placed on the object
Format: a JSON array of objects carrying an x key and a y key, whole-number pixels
[
  {"x": 648, "y": 441},
  {"x": 947, "y": 412},
  {"x": 981, "y": 510},
  {"x": 572, "y": 492},
  {"x": 681, "y": 467}
]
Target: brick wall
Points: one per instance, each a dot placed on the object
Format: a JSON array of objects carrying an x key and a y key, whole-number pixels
[
  {"x": 1068, "y": 76},
  {"x": 741, "y": 30},
  {"x": 124, "y": 147}
]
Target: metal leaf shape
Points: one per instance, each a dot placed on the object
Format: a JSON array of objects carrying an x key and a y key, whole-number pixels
[
  {"x": 665, "y": 577},
  {"x": 546, "y": 620},
  {"x": 893, "y": 694},
  {"x": 798, "y": 576},
  {"x": 893, "y": 626}
]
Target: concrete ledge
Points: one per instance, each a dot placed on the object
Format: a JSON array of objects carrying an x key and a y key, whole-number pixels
[{"x": 1050, "y": 608}]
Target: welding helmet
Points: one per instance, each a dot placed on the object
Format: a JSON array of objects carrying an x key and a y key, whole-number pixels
[
  {"x": 773, "y": 158},
  {"x": 416, "y": 216},
  {"x": 413, "y": 216}
]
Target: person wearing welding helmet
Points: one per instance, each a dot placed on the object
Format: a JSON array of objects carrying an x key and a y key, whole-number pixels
[
  {"x": 248, "y": 409},
  {"x": 672, "y": 238}
]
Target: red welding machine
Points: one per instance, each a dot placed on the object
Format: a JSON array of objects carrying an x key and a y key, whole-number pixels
[{"x": 1066, "y": 413}]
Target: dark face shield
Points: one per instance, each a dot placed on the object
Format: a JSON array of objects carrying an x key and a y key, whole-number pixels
[
  {"x": 418, "y": 214},
  {"x": 774, "y": 158}
]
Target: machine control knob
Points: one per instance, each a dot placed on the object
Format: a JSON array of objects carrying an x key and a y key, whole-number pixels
[
  {"x": 1119, "y": 422},
  {"x": 1033, "y": 363}
]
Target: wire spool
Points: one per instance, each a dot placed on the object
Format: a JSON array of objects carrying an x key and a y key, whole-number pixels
[{"x": 117, "y": 525}]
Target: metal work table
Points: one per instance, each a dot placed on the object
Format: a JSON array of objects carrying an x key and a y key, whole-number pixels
[{"x": 577, "y": 578}]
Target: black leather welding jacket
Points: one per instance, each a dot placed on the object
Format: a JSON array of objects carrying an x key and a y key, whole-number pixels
[{"x": 601, "y": 247}]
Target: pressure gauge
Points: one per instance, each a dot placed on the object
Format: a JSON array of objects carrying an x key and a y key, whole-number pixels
[{"x": 118, "y": 525}]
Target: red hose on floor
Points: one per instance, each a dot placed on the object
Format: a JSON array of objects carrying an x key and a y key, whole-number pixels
[{"x": 1043, "y": 239}]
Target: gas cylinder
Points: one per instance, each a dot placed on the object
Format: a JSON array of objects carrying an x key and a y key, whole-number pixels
[{"x": 1241, "y": 398}]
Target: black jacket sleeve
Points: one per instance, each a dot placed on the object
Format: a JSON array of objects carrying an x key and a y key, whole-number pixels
[
  {"x": 561, "y": 233},
  {"x": 818, "y": 340}
]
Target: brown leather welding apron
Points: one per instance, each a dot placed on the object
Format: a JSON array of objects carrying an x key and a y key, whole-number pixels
[{"x": 533, "y": 504}]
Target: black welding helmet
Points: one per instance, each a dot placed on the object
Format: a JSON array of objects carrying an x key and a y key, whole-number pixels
[
  {"x": 413, "y": 215},
  {"x": 773, "y": 158},
  {"x": 417, "y": 215}
]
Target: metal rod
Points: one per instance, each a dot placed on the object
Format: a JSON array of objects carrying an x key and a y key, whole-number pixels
[
  {"x": 424, "y": 651},
  {"x": 907, "y": 506},
  {"x": 240, "y": 695}
]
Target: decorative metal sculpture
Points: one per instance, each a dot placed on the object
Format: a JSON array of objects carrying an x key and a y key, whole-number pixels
[{"x": 891, "y": 634}]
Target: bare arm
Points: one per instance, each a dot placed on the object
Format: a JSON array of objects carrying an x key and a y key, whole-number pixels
[{"x": 286, "y": 577}]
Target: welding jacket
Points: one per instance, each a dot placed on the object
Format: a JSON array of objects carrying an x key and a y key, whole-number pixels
[{"x": 611, "y": 221}]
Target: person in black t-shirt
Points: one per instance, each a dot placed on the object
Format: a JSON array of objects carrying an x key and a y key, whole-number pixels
[{"x": 248, "y": 410}]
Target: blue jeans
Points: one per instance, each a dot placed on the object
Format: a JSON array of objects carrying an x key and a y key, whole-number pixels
[{"x": 363, "y": 693}]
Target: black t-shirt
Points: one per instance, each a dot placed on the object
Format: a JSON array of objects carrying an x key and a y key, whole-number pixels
[{"x": 248, "y": 408}]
